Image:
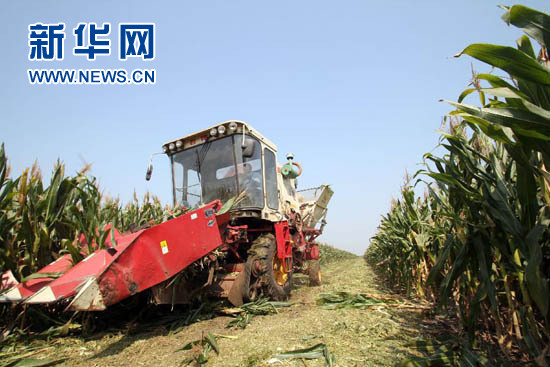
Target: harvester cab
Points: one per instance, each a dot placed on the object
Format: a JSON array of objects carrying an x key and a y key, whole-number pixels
[
  {"x": 245, "y": 230},
  {"x": 229, "y": 160}
]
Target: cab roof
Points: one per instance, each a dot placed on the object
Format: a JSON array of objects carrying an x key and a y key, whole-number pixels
[{"x": 204, "y": 135}]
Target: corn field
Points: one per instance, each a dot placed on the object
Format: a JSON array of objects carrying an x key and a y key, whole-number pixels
[
  {"x": 39, "y": 222},
  {"x": 478, "y": 241}
]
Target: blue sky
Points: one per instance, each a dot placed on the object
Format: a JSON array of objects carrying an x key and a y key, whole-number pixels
[{"x": 350, "y": 87}]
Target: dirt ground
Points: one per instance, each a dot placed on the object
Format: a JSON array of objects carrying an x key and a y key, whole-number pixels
[{"x": 377, "y": 336}]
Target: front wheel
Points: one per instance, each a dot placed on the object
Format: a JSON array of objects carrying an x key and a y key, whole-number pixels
[{"x": 269, "y": 269}]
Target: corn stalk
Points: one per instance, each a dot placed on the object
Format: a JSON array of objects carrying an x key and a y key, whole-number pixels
[
  {"x": 40, "y": 222},
  {"x": 481, "y": 234}
]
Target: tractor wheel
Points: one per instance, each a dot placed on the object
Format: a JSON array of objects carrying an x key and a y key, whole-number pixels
[
  {"x": 251, "y": 286},
  {"x": 265, "y": 265},
  {"x": 314, "y": 272}
]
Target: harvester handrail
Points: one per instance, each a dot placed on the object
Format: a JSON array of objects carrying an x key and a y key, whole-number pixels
[{"x": 311, "y": 188}]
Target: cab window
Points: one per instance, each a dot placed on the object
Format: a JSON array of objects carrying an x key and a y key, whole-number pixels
[{"x": 271, "y": 179}]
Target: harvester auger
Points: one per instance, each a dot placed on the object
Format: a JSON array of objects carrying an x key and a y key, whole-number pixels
[{"x": 248, "y": 247}]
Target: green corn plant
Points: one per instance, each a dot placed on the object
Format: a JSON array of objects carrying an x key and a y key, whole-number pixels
[
  {"x": 517, "y": 115},
  {"x": 9, "y": 256},
  {"x": 38, "y": 222},
  {"x": 408, "y": 240},
  {"x": 487, "y": 247}
]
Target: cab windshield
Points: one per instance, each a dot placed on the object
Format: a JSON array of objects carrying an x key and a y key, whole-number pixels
[{"x": 218, "y": 170}]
